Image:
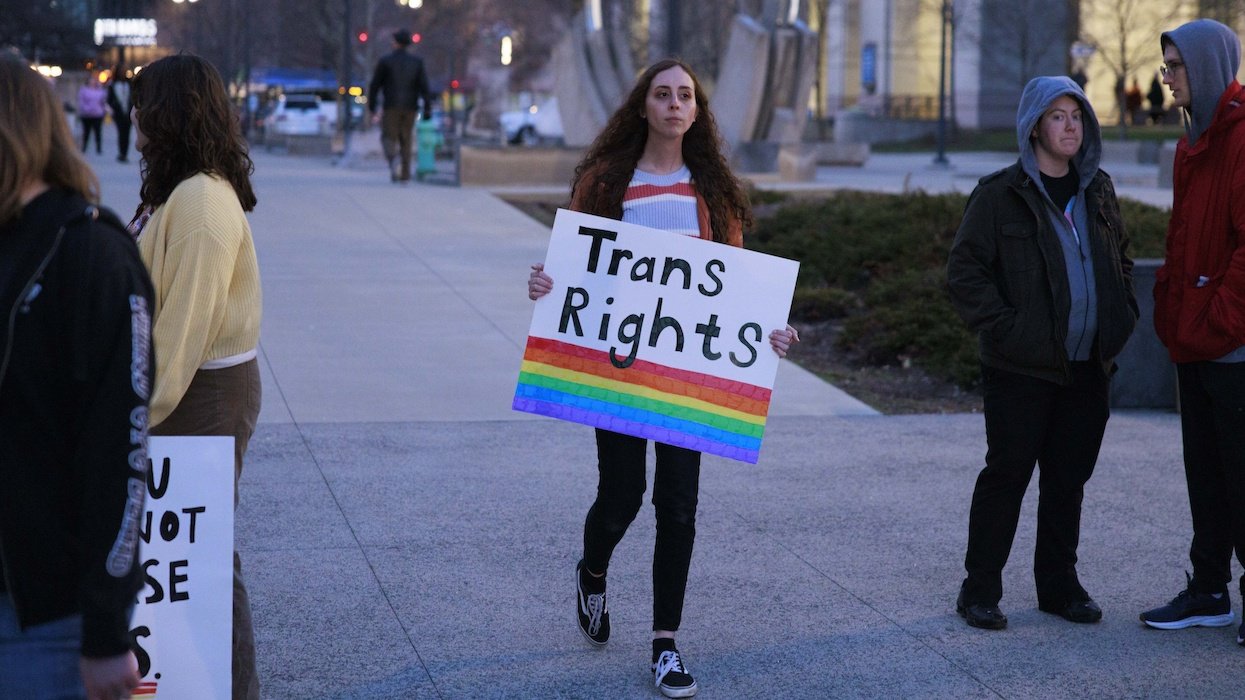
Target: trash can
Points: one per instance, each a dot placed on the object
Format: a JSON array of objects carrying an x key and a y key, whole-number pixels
[{"x": 428, "y": 140}]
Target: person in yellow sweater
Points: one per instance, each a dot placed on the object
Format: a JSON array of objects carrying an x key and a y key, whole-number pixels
[{"x": 193, "y": 236}]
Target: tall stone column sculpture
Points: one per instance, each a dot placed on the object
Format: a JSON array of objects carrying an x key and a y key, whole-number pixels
[
  {"x": 594, "y": 70},
  {"x": 761, "y": 95},
  {"x": 761, "y": 99}
]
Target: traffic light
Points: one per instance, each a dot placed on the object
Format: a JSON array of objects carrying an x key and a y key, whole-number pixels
[
  {"x": 362, "y": 37},
  {"x": 416, "y": 38}
]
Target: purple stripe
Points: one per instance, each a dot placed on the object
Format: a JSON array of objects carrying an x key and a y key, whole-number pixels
[{"x": 619, "y": 425}]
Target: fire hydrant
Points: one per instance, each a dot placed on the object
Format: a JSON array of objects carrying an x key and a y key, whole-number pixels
[{"x": 428, "y": 139}]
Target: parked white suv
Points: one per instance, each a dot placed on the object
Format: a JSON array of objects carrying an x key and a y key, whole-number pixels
[
  {"x": 534, "y": 125},
  {"x": 301, "y": 114}
]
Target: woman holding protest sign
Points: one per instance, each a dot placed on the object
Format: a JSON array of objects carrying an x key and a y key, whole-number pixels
[
  {"x": 194, "y": 237},
  {"x": 657, "y": 163}
]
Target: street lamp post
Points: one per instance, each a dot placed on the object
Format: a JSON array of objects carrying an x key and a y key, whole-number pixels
[
  {"x": 941, "y": 158},
  {"x": 198, "y": 27},
  {"x": 347, "y": 69}
]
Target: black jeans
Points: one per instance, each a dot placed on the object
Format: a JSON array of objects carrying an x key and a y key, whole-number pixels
[
  {"x": 620, "y": 492},
  {"x": 1212, "y": 421},
  {"x": 92, "y": 125},
  {"x": 123, "y": 138},
  {"x": 1059, "y": 428}
]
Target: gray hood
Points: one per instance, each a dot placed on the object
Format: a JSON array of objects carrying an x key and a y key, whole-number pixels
[
  {"x": 1212, "y": 55},
  {"x": 1034, "y": 101}
]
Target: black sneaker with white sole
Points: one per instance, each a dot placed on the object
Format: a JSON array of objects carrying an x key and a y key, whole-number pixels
[
  {"x": 590, "y": 609},
  {"x": 669, "y": 674},
  {"x": 1191, "y": 609}
]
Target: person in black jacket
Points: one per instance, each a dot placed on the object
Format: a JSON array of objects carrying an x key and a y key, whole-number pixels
[
  {"x": 400, "y": 77},
  {"x": 119, "y": 103},
  {"x": 1039, "y": 269},
  {"x": 76, "y": 369}
]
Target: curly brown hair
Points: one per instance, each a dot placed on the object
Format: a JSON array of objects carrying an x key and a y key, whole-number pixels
[
  {"x": 612, "y": 157},
  {"x": 183, "y": 110}
]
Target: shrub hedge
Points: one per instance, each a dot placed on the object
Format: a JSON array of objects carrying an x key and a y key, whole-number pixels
[{"x": 878, "y": 261}]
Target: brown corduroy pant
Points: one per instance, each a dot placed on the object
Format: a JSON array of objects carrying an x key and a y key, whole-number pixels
[{"x": 226, "y": 402}]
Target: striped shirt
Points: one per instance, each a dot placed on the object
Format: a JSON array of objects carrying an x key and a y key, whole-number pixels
[{"x": 666, "y": 202}]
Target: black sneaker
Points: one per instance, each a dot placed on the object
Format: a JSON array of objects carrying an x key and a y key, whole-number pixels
[
  {"x": 1240, "y": 634},
  {"x": 1189, "y": 609},
  {"x": 671, "y": 676},
  {"x": 591, "y": 611}
]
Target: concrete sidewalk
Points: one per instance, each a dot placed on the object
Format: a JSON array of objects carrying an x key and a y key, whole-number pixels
[{"x": 406, "y": 535}]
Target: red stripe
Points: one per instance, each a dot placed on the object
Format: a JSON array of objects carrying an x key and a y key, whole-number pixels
[
  {"x": 639, "y": 191},
  {"x": 727, "y": 385}
]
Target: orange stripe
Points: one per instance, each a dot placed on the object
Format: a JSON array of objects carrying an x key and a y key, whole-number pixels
[
  {"x": 729, "y": 385},
  {"x": 646, "y": 190}
]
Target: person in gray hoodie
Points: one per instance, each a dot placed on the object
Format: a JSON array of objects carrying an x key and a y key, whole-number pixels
[
  {"x": 1039, "y": 269},
  {"x": 1199, "y": 312}
]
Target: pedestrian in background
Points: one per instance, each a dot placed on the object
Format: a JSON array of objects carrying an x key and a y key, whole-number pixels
[
  {"x": 1199, "y": 312},
  {"x": 1040, "y": 270},
  {"x": 1155, "y": 97},
  {"x": 75, "y": 373},
  {"x": 401, "y": 79},
  {"x": 194, "y": 238},
  {"x": 1132, "y": 102},
  {"x": 657, "y": 163},
  {"x": 119, "y": 103},
  {"x": 92, "y": 107}
]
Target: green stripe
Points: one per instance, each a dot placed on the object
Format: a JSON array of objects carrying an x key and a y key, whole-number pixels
[{"x": 715, "y": 420}]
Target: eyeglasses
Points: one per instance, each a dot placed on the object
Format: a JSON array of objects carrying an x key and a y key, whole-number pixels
[{"x": 1170, "y": 68}]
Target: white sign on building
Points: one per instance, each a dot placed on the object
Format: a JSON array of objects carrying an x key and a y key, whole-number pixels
[{"x": 115, "y": 31}]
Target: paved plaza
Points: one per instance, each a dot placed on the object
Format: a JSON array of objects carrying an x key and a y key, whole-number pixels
[{"x": 406, "y": 535}]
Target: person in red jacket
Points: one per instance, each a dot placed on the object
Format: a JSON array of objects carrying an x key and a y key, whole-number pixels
[{"x": 1199, "y": 312}]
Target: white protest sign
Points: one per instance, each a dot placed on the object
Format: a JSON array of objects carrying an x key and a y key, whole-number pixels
[
  {"x": 656, "y": 335},
  {"x": 183, "y": 622}
]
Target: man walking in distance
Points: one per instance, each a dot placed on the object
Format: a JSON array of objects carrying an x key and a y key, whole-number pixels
[
  {"x": 119, "y": 103},
  {"x": 1199, "y": 312},
  {"x": 401, "y": 78}
]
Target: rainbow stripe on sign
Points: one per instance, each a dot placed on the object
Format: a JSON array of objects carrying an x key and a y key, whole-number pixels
[
  {"x": 678, "y": 407},
  {"x": 145, "y": 691}
]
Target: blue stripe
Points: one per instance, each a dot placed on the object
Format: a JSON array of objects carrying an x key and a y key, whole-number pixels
[
  {"x": 629, "y": 413},
  {"x": 620, "y": 425},
  {"x": 667, "y": 216}
]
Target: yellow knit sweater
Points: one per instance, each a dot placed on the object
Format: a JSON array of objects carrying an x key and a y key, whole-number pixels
[{"x": 198, "y": 248}]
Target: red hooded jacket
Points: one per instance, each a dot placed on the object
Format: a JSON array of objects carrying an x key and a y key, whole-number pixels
[{"x": 1199, "y": 292}]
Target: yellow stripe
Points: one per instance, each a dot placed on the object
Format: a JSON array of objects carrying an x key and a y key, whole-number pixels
[{"x": 638, "y": 390}]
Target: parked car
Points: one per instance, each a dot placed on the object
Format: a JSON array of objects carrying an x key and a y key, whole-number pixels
[
  {"x": 534, "y": 125},
  {"x": 298, "y": 114}
]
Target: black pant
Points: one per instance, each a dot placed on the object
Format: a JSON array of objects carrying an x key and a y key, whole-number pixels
[
  {"x": 123, "y": 138},
  {"x": 1212, "y": 421},
  {"x": 620, "y": 492},
  {"x": 1060, "y": 428},
  {"x": 92, "y": 125}
]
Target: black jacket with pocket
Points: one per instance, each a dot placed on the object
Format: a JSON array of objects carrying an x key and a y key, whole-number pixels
[
  {"x": 400, "y": 77},
  {"x": 76, "y": 370},
  {"x": 1008, "y": 282}
]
